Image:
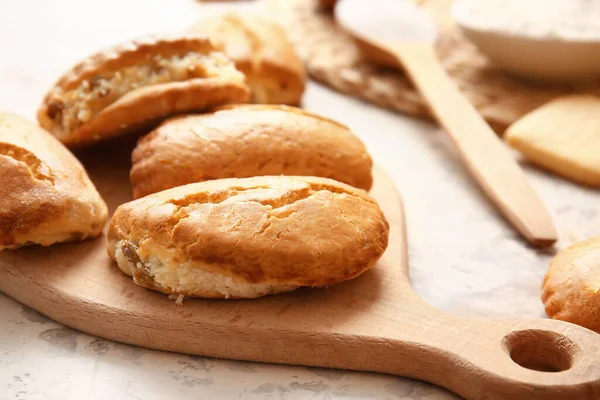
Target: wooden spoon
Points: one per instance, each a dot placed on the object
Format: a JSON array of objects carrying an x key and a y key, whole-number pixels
[{"x": 398, "y": 34}]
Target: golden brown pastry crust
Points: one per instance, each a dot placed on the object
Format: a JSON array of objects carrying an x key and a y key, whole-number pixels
[
  {"x": 45, "y": 194},
  {"x": 278, "y": 231},
  {"x": 146, "y": 105},
  {"x": 244, "y": 141},
  {"x": 571, "y": 288},
  {"x": 260, "y": 49},
  {"x": 327, "y": 4}
]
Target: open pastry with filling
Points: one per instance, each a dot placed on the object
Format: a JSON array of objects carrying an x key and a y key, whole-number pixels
[{"x": 136, "y": 84}]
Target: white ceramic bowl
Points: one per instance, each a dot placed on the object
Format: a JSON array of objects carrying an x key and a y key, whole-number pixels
[{"x": 545, "y": 59}]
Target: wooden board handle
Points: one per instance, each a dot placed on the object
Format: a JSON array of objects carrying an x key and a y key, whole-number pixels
[
  {"x": 484, "y": 154},
  {"x": 502, "y": 359},
  {"x": 477, "y": 359},
  {"x": 372, "y": 323}
]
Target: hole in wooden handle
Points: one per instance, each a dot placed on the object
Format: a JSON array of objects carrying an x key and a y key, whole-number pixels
[{"x": 541, "y": 350}]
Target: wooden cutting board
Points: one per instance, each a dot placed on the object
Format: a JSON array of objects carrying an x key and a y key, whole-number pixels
[{"x": 372, "y": 323}]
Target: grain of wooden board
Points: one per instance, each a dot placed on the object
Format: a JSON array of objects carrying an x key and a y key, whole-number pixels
[{"x": 372, "y": 323}]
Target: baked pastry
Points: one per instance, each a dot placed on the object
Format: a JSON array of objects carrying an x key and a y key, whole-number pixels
[
  {"x": 244, "y": 141},
  {"x": 571, "y": 288},
  {"x": 562, "y": 136},
  {"x": 327, "y": 4},
  {"x": 45, "y": 194},
  {"x": 136, "y": 84},
  {"x": 260, "y": 49},
  {"x": 245, "y": 238}
]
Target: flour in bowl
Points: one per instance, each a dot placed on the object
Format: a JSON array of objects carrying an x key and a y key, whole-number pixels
[{"x": 549, "y": 19}]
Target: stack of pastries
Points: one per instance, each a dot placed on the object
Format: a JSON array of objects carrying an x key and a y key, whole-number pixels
[{"x": 232, "y": 200}]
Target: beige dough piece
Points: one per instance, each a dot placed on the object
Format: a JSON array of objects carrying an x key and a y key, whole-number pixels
[
  {"x": 45, "y": 194},
  {"x": 134, "y": 85},
  {"x": 571, "y": 288},
  {"x": 562, "y": 136},
  {"x": 260, "y": 49},
  {"x": 245, "y": 238},
  {"x": 244, "y": 141}
]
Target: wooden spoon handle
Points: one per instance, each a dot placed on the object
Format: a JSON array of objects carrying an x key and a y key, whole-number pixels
[{"x": 486, "y": 157}]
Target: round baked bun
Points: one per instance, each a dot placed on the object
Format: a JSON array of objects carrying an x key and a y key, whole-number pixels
[
  {"x": 245, "y": 238},
  {"x": 244, "y": 141},
  {"x": 46, "y": 196},
  {"x": 571, "y": 288}
]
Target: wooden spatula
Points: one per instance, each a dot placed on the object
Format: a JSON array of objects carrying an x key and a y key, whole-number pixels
[{"x": 398, "y": 34}]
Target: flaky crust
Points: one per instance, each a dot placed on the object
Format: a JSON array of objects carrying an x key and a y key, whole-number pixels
[
  {"x": 260, "y": 49},
  {"x": 146, "y": 106},
  {"x": 248, "y": 140},
  {"x": 45, "y": 194},
  {"x": 294, "y": 231},
  {"x": 571, "y": 288}
]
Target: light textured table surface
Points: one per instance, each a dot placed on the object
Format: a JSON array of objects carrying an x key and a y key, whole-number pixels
[{"x": 463, "y": 257}]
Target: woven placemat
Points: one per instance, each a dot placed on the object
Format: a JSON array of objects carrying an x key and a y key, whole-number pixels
[{"x": 332, "y": 58}]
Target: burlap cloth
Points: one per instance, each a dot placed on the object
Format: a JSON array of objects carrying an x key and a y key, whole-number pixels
[{"x": 332, "y": 58}]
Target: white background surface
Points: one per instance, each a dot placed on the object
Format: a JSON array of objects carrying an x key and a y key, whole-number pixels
[{"x": 463, "y": 257}]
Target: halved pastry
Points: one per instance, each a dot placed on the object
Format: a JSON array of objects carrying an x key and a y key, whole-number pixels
[
  {"x": 245, "y": 238},
  {"x": 135, "y": 85},
  {"x": 45, "y": 194},
  {"x": 260, "y": 49}
]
